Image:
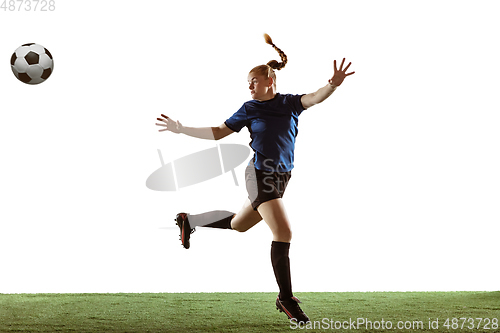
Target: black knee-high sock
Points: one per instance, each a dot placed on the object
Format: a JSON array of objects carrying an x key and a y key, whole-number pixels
[
  {"x": 215, "y": 219},
  {"x": 281, "y": 267}
]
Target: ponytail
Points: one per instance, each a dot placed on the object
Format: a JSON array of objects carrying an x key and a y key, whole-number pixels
[{"x": 273, "y": 63}]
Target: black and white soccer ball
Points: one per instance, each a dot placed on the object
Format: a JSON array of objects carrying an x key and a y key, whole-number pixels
[{"x": 32, "y": 63}]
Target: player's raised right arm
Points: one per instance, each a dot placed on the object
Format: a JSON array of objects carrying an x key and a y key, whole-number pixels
[{"x": 207, "y": 133}]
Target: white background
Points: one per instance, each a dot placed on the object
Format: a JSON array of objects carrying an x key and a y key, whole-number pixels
[{"x": 396, "y": 185}]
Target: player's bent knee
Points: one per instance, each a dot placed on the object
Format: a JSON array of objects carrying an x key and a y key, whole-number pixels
[
  {"x": 283, "y": 235},
  {"x": 239, "y": 228}
]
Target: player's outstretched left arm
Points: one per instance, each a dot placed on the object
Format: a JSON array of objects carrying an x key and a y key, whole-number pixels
[
  {"x": 323, "y": 93},
  {"x": 207, "y": 133}
]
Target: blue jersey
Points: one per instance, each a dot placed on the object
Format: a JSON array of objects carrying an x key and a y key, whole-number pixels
[{"x": 273, "y": 128}]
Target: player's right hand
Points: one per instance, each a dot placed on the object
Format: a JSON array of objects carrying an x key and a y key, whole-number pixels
[
  {"x": 169, "y": 124},
  {"x": 339, "y": 74}
]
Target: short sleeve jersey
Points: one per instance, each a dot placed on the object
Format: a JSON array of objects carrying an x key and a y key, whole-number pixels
[{"x": 273, "y": 129}]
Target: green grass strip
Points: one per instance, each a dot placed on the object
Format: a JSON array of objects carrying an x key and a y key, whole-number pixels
[{"x": 249, "y": 312}]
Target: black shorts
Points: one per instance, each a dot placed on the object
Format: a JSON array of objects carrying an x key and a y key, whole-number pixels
[{"x": 263, "y": 186}]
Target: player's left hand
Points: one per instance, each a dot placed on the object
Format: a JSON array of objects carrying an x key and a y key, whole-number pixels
[
  {"x": 169, "y": 124},
  {"x": 340, "y": 74}
]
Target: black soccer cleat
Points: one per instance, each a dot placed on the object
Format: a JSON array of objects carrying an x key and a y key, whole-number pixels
[
  {"x": 292, "y": 309},
  {"x": 185, "y": 229}
]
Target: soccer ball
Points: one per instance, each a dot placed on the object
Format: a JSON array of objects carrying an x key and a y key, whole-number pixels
[{"x": 32, "y": 63}]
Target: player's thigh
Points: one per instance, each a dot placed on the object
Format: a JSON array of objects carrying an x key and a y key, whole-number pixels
[
  {"x": 246, "y": 218},
  {"x": 274, "y": 213}
]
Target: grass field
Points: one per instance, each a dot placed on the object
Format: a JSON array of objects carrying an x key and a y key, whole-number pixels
[{"x": 250, "y": 312}]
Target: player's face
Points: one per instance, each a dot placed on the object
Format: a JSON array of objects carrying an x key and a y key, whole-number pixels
[{"x": 259, "y": 86}]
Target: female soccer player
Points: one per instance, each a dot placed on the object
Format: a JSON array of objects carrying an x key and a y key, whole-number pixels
[{"x": 271, "y": 119}]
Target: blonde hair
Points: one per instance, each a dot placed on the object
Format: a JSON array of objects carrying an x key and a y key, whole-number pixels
[{"x": 268, "y": 70}]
